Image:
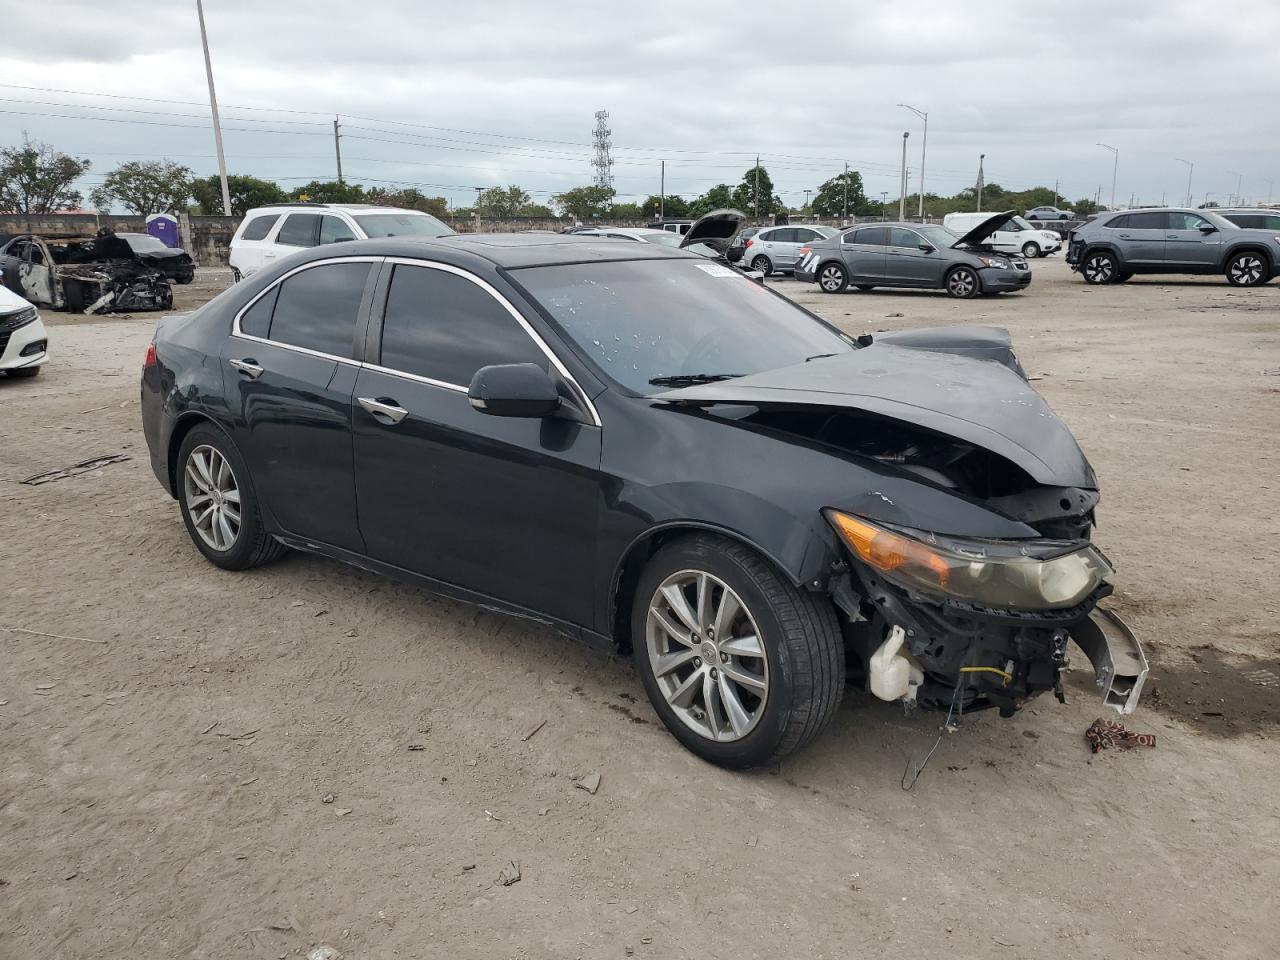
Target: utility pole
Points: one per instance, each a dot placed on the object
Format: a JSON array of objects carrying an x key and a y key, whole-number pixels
[
  {"x": 846, "y": 191},
  {"x": 755, "y": 193},
  {"x": 1191, "y": 168},
  {"x": 213, "y": 107},
  {"x": 1115, "y": 166},
  {"x": 981, "y": 179},
  {"x": 662, "y": 193},
  {"x": 1239, "y": 178},
  {"x": 1269, "y": 184},
  {"x": 806, "y": 198},
  {"x": 902, "y": 193},
  {"x": 337, "y": 149},
  {"x": 479, "y": 190},
  {"x": 924, "y": 145},
  {"x": 1055, "y": 193},
  {"x": 884, "y": 199}
]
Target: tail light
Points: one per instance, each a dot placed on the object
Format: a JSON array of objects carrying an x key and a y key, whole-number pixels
[
  {"x": 150, "y": 359},
  {"x": 748, "y": 244},
  {"x": 805, "y": 251}
]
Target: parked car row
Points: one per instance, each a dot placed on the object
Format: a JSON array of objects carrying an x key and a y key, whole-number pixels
[{"x": 1114, "y": 247}]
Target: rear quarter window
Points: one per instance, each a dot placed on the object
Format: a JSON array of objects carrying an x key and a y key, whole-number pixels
[{"x": 259, "y": 227}]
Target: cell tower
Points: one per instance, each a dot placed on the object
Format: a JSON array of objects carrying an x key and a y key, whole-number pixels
[{"x": 602, "y": 162}]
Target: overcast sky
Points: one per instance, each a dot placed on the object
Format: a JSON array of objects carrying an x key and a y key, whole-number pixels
[{"x": 448, "y": 96}]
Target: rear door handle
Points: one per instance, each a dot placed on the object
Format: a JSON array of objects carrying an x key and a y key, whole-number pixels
[
  {"x": 248, "y": 367},
  {"x": 383, "y": 407}
]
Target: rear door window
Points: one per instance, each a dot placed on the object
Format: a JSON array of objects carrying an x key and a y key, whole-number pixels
[
  {"x": 334, "y": 230},
  {"x": 259, "y": 227},
  {"x": 872, "y": 236},
  {"x": 1153, "y": 220},
  {"x": 317, "y": 308},
  {"x": 299, "y": 230},
  {"x": 445, "y": 327}
]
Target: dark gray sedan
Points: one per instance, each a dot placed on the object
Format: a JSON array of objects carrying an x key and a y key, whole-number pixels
[{"x": 917, "y": 255}]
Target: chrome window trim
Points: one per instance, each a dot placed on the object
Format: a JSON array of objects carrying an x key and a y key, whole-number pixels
[
  {"x": 241, "y": 335},
  {"x": 443, "y": 384},
  {"x": 515, "y": 314}
]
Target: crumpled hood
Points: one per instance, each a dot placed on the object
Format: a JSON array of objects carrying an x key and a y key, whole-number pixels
[{"x": 978, "y": 401}]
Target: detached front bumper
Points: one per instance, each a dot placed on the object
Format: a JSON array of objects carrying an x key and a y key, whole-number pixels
[{"x": 1119, "y": 663}]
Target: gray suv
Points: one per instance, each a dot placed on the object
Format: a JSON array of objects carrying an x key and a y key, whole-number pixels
[
  {"x": 1115, "y": 246},
  {"x": 778, "y": 248}
]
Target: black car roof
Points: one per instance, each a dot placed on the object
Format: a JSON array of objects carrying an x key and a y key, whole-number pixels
[{"x": 507, "y": 250}]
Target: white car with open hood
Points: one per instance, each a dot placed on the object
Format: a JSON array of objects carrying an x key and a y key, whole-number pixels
[
  {"x": 24, "y": 343},
  {"x": 1015, "y": 236}
]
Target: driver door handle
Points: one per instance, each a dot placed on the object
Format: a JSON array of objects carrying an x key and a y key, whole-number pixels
[
  {"x": 383, "y": 407},
  {"x": 248, "y": 367}
]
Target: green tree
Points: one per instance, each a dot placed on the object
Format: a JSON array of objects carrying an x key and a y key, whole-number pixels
[
  {"x": 36, "y": 178},
  {"x": 585, "y": 203},
  {"x": 754, "y": 196},
  {"x": 539, "y": 210},
  {"x": 330, "y": 191},
  {"x": 497, "y": 203},
  {"x": 626, "y": 211},
  {"x": 409, "y": 198},
  {"x": 156, "y": 186},
  {"x": 718, "y": 197},
  {"x": 246, "y": 193},
  {"x": 841, "y": 196},
  {"x": 674, "y": 206}
]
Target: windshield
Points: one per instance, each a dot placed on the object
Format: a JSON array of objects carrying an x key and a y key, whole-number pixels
[
  {"x": 143, "y": 242},
  {"x": 940, "y": 237},
  {"x": 664, "y": 239},
  {"x": 402, "y": 225},
  {"x": 1022, "y": 224},
  {"x": 642, "y": 320}
]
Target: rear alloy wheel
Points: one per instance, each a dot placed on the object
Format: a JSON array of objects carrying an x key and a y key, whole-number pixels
[
  {"x": 218, "y": 504},
  {"x": 832, "y": 278},
  {"x": 1031, "y": 250},
  {"x": 1099, "y": 268},
  {"x": 763, "y": 264},
  {"x": 1247, "y": 270},
  {"x": 741, "y": 665},
  {"x": 963, "y": 282}
]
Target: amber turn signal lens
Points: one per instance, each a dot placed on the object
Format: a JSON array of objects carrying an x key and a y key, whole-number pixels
[{"x": 884, "y": 550}]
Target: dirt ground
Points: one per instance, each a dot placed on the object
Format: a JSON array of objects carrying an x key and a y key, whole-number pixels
[{"x": 207, "y": 764}]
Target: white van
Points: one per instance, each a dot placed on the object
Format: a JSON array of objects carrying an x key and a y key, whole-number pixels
[
  {"x": 1017, "y": 236},
  {"x": 268, "y": 233}
]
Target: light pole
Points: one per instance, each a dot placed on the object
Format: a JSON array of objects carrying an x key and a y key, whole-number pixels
[
  {"x": 213, "y": 107},
  {"x": 1207, "y": 195},
  {"x": 902, "y": 193},
  {"x": 981, "y": 157},
  {"x": 1191, "y": 168},
  {"x": 806, "y": 199},
  {"x": 1268, "y": 183},
  {"x": 1115, "y": 166},
  {"x": 924, "y": 144},
  {"x": 884, "y": 199},
  {"x": 1239, "y": 178}
]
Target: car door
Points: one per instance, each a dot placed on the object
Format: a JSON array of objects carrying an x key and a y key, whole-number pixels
[
  {"x": 1187, "y": 246},
  {"x": 289, "y": 370},
  {"x": 771, "y": 244},
  {"x": 906, "y": 264},
  {"x": 27, "y": 271},
  {"x": 1141, "y": 239},
  {"x": 296, "y": 232},
  {"x": 501, "y": 506},
  {"x": 863, "y": 251}
]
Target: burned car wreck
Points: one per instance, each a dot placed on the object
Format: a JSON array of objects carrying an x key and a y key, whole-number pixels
[
  {"x": 83, "y": 275},
  {"x": 650, "y": 452}
]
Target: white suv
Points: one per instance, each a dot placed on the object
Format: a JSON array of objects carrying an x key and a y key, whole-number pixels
[{"x": 268, "y": 233}]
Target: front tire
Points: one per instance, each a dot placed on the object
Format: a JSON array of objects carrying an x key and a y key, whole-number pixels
[
  {"x": 763, "y": 264},
  {"x": 741, "y": 665},
  {"x": 1099, "y": 267},
  {"x": 963, "y": 283},
  {"x": 218, "y": 503},
  {"x": 1031, "y": 250},
  {"x": 1247, "y": 269},
  {"x": 832, "y": 278}
]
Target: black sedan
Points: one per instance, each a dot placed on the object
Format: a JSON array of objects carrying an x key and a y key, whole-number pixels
[
  {"x": 174, "y": 262},
  {"x": 647, "y": 450}
]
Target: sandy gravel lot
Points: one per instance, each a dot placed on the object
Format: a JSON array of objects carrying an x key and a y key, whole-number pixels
[{"x": 167, "y": 759}]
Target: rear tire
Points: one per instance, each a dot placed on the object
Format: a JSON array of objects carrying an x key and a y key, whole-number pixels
[
  {"x": 797, "y": 656},
  {"x": 1099, "y": 267},
  {"x": 963, "y": 283},
  {"x": 832, "y": 277},
  {"x": 763, "y": 264},
  {"x": 249, "y": 545},
  {"x": 1247, "y": 269},
  {"x": 1031, "y": 250}
]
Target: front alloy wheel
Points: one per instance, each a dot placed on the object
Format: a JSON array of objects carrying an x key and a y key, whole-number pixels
[
  {"x": 1099, "y": 268},
  {"x": 832, "y": 278},
  {"x": 1246, "y": 270},
  {"x": 963, "y": 282},
  {"x": 707, "y": 656}
]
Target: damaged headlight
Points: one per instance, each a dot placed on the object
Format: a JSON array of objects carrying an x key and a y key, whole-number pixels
[
  {"x": 995, "y": 262},
  {"x": 1011, "y": 574}
]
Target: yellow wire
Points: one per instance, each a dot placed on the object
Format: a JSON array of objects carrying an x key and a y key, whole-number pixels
[{"x": 1008, "y": 677}]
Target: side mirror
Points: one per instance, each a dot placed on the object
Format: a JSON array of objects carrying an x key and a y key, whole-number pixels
[
  {"x": 1208, "y": 228},
  {"x": 514, "y": 390},
  {"x": 927, "y": 247}
]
